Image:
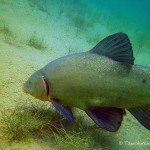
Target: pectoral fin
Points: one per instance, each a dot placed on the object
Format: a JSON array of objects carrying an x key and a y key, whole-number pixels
[
  {"x": 64, "y": 111},
  {"x": 107, "y": 118}
]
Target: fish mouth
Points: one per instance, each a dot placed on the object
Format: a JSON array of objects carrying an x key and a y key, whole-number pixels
[{"x": 24, "y": 90}]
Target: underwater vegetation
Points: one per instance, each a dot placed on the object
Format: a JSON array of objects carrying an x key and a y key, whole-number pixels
[
  {"x": 36, "y": 42},
  {"x": 94, "y": 23},
  {"x": 24, "y": 122},
  {"x": 41, "y": 121},
  {"x": 4, "y": 29}
]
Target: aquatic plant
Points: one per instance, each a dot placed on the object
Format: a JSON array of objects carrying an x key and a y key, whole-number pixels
[
  {"x": 7, "y": 33},
  {"x": 4, "y": 29},
  {"x": 42, "y": 121},
  {"x": 79, "y": 22},
  {"x": 71, "y": 49},
  {"x": 42, "y": 5},
  {"x": 2, "y": 146},
  {"x": 36, "y": 42},
  {"x": 25, "y": 122},
  {"x": 72, "y": 141}
]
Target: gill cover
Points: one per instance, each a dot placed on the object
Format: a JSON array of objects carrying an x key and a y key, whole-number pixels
[
  {"x": 37, "y": 86},
  {"x": 46, "y": 85}
]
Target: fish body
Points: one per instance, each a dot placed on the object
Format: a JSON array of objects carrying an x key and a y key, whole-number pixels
[
  {"x": 102, "y": 82},
  {"x": 85, "y": 79}
]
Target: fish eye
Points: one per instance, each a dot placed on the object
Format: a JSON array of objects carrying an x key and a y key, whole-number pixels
[{"x": 30, "y": 82}]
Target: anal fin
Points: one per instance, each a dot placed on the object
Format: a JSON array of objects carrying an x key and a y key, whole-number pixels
[{"x": 108, "y": 118}]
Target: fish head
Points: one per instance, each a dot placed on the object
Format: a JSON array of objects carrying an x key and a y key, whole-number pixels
[{"x": 37, "y": 86}]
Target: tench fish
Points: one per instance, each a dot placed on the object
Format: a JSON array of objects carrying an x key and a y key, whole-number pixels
[{"x": 103, "y": 82}]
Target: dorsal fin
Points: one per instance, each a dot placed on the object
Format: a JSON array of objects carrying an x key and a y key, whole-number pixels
[{"x": 117, "y": 47}]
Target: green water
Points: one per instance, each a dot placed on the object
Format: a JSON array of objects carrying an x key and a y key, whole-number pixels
[
  {"x": 97, "y": 18},
  {"x": 35, "y": 32}
]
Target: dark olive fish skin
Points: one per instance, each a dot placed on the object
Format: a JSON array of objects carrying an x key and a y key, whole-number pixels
[
  {"x": 86, "y": 79},
  {"x": 103, "y": 82}
]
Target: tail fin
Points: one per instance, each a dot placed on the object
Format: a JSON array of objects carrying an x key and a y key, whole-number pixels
[{"x": 142, "y": 114}]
